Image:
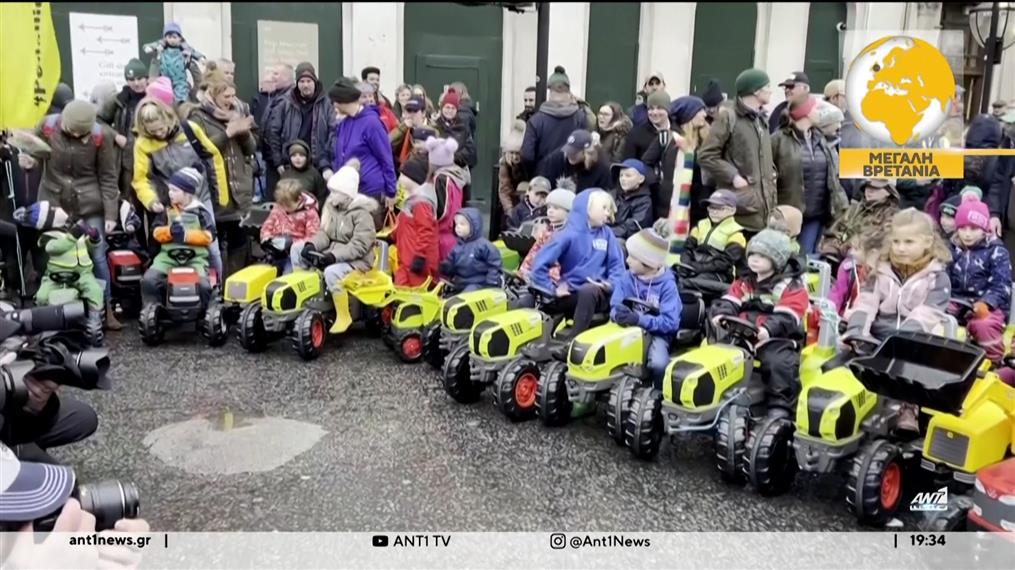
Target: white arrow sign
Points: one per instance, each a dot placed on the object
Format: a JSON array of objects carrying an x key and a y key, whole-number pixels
[{"x": 101, "y": 46}]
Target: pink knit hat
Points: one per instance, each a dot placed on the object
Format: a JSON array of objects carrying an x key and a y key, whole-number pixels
[
  {"x": 162, "y": 90},
  {"x": 972, "y": 212}
]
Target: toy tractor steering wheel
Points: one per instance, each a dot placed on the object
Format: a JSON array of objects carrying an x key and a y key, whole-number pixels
[
  {"x": 860, "y": 344},
  {"x": 543, "y": 296},
  {"x": 276, "y": 248},
  {"x": 513, "y": 278},
  {"x": 182, "y": 255},
  {"x": 741, "y": 328},
  {"x": 637, "y": 305},
  {"x": 318, "y": 258}
]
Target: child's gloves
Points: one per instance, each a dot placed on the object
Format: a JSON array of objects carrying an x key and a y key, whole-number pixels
[
  {"x": 445, "y": 267},
  {"x": 305, "y": 252},
  {"x": 179, "y": 233},
  {"x": 626, "y": 317},
  {"x": 326, "y": 260},
  {"x": 418, "y": 263},
  {"x": 82, "y": 229},
  {"x": 981, "y": 310}
]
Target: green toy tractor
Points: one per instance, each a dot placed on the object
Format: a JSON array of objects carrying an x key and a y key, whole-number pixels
[{"x": 448, "y": 338}]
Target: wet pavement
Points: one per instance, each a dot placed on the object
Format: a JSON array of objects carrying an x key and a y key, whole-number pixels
[{"x": 222, "y": 440}]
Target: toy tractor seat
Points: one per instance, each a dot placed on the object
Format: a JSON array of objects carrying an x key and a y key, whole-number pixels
[
  {"x": 370, "y": 287},
  {"x": 708, "y": 288},
  {"x": 518, "y": 241},
  {"x": 922, "y": 369},
  {"x": 255, "y": 217},
  {"x": 64, "y": 278}
]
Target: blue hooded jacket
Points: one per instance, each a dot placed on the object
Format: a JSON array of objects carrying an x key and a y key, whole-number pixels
[
  {"x": 474, "y": 263},
  {"x": 982, "y": 273},
  {"x": 658, "y": 290},
  {"x": 363, "y": 137},
  {"x": 583, "y": 252}
]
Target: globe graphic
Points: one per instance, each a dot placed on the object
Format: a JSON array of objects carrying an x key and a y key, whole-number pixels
[{"x": 899, "y": 90}]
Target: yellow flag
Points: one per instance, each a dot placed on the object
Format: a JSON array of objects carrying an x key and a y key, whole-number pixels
[{"x": 29, "y": 63}]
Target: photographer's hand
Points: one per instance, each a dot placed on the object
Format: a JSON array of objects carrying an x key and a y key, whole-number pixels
[
  {"x": 39, "y": 392},
  {"x": 55, "y": 551},
  {"x": 121, "y": 556}
]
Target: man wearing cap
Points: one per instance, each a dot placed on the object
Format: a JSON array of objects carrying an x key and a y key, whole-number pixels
[
  {"x": 304, "y": 114},
  {"x": 136, "y": 75},
  {"x": 549, "y": 128},
  {"x": 413, "y": 129},
  {"x": 639, "y": 112},
  {"x": 737, "y": 153},
  {"x": 656, "y": 128},
  {"x": 797, "y": 87},
  {"x": 580, "y": 161}
]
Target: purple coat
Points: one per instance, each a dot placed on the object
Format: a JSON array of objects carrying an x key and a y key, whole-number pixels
[{"x": 364, "y": 137}]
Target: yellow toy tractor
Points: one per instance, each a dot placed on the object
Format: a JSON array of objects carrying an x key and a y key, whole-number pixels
[
  {"x": 413, "y": 311},
  {"x": 247, "y": 285},
  {"x": 449, "y": 336}
]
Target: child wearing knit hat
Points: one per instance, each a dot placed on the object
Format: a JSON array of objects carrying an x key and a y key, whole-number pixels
[
  {"x": 300, "y": 170},
  {"x": 185, "y": 224},
  {"x": 558, "y": 206},
  {"x": 980, "y": 274},
  {"x": 651, "y": 282},
  {"x": 773, "y": 297},
  {"x": 533, "y": 204},
  {"x": 415, "y": 233}
]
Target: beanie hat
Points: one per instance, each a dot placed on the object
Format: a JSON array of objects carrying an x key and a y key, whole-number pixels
[
  {"x": 513, "y": 142},
  {"x": 415, "y": 169},
  {"x": 659, "y": 99},
  {"x": 972, "y": 212},
  {"x": 134, "y": 69},
  {"x": 773, "y": 245},
  {"x": 540, "y": 184},
  {"x": 683, "y": 109},
  {"x": 835, "y": 87},
  {"x": 561, "y": 198},
  {"x": 346, "y": 180},
  {"x": 344, "y": 91},
  {"x": 161, "y": 89},
  {"x": 41, "y": 215},
  {"x": 450, "y": 98},
  {"x": 558, "y": 78},
  {"x": 750, "y": 80},
  {"x": 648, "y": 247},
  {"x": 172, "y": 28},
  {"x": 78, "y": 117},
  {"x": 298, "y": 147},
  {"x": 789, "y": 219},
  {"x": 950, "y": 206},
  {"x": 441, "y": 152},
  {"x": 713, "y": 95},
  {"x": 800, "y": 111},
  {"x": 186, "y": 179},
  {"x": 62, "y": 95},
  {"x": 827, "y": 115},
  {"x": 102, "y": 94},
  {"x": 306, "y": 69}
]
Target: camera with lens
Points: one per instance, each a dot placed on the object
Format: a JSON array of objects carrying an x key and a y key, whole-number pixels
[{"x": 107, "y": 501}]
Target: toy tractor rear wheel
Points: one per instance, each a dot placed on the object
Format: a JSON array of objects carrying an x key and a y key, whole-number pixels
[
  {"x": 619, "y": 405},
  {"x": 309, "y": 330},
  {"x": 214, "y": 325},
  {"x": 410, "y": 349},
  {"x": 149, "y": 326},
  {"x": 514, "y": 392},
  {"x": 874, "y": 485},
  {"x": 770, "y": 462},
  {"x": 643, "y": 429},
  {"x": 552, "y": 404},
  {"x": 253, "y": 337},
  {"x": 456, "y": 376},
  {"x": 432, "y": 353},
  {"x": 730, "y": 437}
]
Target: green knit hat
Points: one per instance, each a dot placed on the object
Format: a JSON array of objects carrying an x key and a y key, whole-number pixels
[
  {"x": 558, "y": 78},
  {"x": 750, "y": 80},
  {"x": 135, "y": 68}
]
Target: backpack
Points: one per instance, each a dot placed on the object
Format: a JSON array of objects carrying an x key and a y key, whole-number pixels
[{"x": 52, "y": 124}]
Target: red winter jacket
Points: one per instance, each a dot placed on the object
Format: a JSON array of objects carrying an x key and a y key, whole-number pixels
[
  {"x": 416, "y": 237},
  {"x": 300, "y": 225},
  {"x": 779, "y": 303},
  {"x": 387, "y": 117}
]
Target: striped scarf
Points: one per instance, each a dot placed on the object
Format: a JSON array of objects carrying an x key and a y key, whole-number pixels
[{"x": 680, "y": 203}]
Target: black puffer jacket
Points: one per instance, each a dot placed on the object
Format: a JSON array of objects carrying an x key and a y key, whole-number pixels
[
  {"x": 284, "y": 126},
  {"x": 547, "y": 131},
  {"x": 634, "y": 211}
]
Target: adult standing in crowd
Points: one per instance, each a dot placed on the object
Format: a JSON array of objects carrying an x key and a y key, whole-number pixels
[
  {"x": 656, "y": 129},
  {"x": 713, "y": 97},
  {"x": 414, "y": 128},
  {"x": 550, "y": 127},
  {"x": 368, "y": 97},
  {"x": 613, "y": 127},
  {"x": 80, "y": 175},
  {"x": 797, "y": 88},
  {"x": 228, "y": 70},
  {"x": 688, "y": 119},
  {"x": 467, "y": 112},
  {"x": 1003, "y": 183},
  {"x": 450, "y": 125},
  {"x": 807, "y": 171},
  {"x": 372, "y": 75},
  {"x": 231, "y": 133},
  {"x": 276, "y": 83},
  {"x": 737, "y": 153},
  {"x": 580, "y": 159},
  {"x": 126, "y": 102},
  {"x": 528, "y": 104},
  {"x": 402, "y": 95},
  {"x": 304, "y": 114},
  {"x": 511, "y": 182},
  {"x": 361, "y": 135},
  {"x": 639, "y": 112}
]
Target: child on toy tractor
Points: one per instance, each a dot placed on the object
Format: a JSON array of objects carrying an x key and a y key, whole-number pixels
[
  {"x": 294, "y": 216},
  {"x": 649, "y": 281},
  {"x": 532, "y": 206},
  {"x": 773, "y": 297},
  {"x": 474, "y": 263},
  {"x": 69, "y": 267},
  {"x": 558, "y": 208},
  {"x": 416, "y": 231},
  {"x": 633, "y": 198},
  {"x": 345, "y": 239},
  {"x": 715, "y": 248},
  {"x": 590, "y": 260}
]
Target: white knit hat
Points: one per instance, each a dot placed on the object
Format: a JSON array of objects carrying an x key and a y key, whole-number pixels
[{"x": 346, "y": 180}]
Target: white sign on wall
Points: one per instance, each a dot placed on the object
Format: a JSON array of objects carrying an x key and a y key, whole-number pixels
[
  {"x": 101, "y": 45},
  {"x": 286, "y": 42}
]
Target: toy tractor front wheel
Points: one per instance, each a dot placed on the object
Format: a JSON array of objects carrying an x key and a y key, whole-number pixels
[
  {"x": 619, "y": 405},
  {"x": 730, "y": 437},
  {"x": 410, "y": 349},
  {"x": 875, "y": 482},
  {"x": 310, "y": 331},
  {"x": 514, "y": 393},
  {"x": 770, "y": 462},
  {"x": 552, "y": 404},
  {"x": 456, "y": 376},
  {"x": 214, "y": 325},
  {"x": 432, "y": 353},
  {"x": 644, "y": 425},
  {"x": 253, "y": 337},
  {"x": 149, "y": 326}
]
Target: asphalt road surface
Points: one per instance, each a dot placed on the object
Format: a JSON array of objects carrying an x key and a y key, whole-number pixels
[{"x": 222, "y": 440}]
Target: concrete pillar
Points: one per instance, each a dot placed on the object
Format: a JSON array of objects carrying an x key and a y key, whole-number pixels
[
  {"x": 569, "y": 42},
  {"x": 518, "y": 64},
  {"x": 206, "y": 25},
  {"x": 372, "y": 35},
  {"x": 666, "y": 43},
  {"x": 780, "y": 43}
]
